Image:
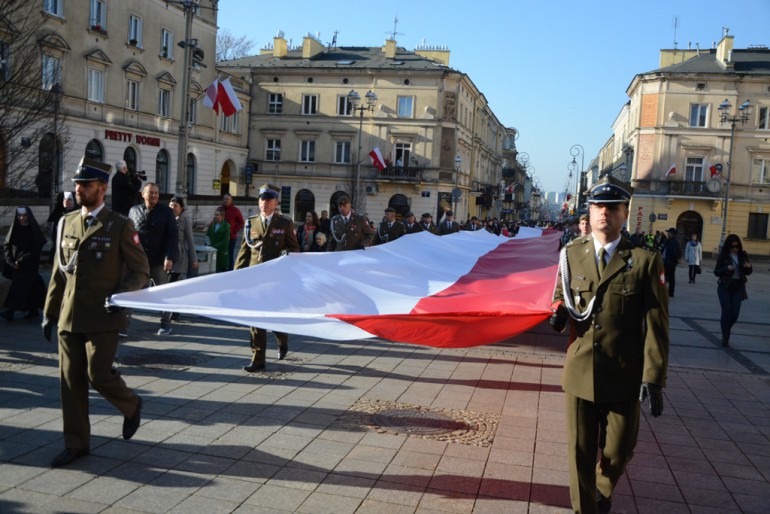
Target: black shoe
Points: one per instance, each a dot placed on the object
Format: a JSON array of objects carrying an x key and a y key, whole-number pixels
[
  {"x": 725, "y": 342},
  {"x": 254, "y": 367},
  {"x": 282, "y": 351},
  {"x": 131, "y": 425},
  {"x": 68, "y": 456},
  {"x": 603, "y": 503}
]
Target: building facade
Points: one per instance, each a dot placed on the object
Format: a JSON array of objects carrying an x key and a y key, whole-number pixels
[{"x": 442, "y": 145}]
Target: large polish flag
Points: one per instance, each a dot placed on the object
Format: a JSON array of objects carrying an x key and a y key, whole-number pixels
[
  {"x": 456, "y": 291},
  {"x": 227, "y": 99}
]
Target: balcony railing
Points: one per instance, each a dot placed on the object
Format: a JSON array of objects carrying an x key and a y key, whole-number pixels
[
  {"x": 674, "y": 187},
  {"x": 401, "y": 172}
]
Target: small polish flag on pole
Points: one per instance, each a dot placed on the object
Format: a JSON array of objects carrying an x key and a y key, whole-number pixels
[
  {"x": 671, "y": 170},
  {"x": 377, "y": 160},
  {"x": 210, "y": 98}
]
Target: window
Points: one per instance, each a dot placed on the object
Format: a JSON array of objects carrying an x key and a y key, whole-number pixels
[
  {"x": 275, "y": 103},
  {"x": 132, "y": 95},
  {"x": 164, "y": 103},
  {"x": 760, "y": 172},
  {"x": 192, "y": 112},
  {"x": 764, "y": 118},
  {"x": 403, "y": 151},
  {"x": 757, "y": 225},
  {"x": 344, "y": 108},
  {"x": 698, "y": 115},
  {"x": 166, "y": 44},
  {"x": 307, "y": 151},
  {"x": 134, "y": 30},
  {"x": 161, "y": 171},
  {"x": 95, "y": 85},
  {"x": 190, "y": 174},
  {"x": 309, "y": 104},
  {"x": 693, "y": 170},
  {"x": 405, "y": 106},
  {"x": 54, "y": 7},
  {"x": 5, "y": 56},
  {"x": 342, "y": 152},
  {"x": 273, "y": 150},
  {"x": 230, "y": 123},
  {"x": 98, "y": 19},
  {"x": 51, "y": 71},
  {"x": 95, "y": 150}
]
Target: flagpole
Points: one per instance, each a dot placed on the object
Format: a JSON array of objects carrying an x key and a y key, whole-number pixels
[{"x": 181, "y": 170}]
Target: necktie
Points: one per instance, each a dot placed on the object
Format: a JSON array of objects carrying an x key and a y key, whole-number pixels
[
  {"x": 602, "y": 260},
  {"x": 89, "y": 221},
  {"x": 390, "y": 225},
  {"x": 264, "y": 224}
]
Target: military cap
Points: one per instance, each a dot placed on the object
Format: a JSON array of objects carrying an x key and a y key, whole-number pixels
[
  {"x": 610, "y": 190},
  {"x": 90, "y": 170},
  {"x": 390, "y": 209},
  {"x": 344, "y": 199},
  {"x": 268, "y": 191},
  {"x": 583, "y": 217},
  {"x": 409, "y": 215}
]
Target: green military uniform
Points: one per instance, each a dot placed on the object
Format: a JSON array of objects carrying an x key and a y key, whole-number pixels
[
  {"x": 93, "y": 263},
  {"x": 353, "y": 235},
  {"x": 621, "y": 343},
  {"x": 265, "y": 244},
  {"x": 388, "y": 232}
]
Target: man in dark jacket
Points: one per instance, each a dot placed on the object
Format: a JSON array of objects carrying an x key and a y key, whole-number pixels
[
  {"x": 125, "y": 189},
  {"x": 671, "y": 255},
  {"x": 158, "y": 233}
]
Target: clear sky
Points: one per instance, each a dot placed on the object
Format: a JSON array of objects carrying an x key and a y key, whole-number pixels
[{"x": 556, "y": 70}]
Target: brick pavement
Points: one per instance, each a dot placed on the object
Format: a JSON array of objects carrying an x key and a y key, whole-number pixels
[{"x": 308, "y": 436}]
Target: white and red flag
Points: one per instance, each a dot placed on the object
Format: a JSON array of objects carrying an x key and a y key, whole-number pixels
[
  {"x": 714, "y": 169},
  {"x": 466, "y": 289},
  {"x": 671, "y": 170},
  {"x": 377, "y": 160},
  {"x": 220, "y": 95}
]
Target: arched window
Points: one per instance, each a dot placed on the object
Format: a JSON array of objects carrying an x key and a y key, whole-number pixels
[
  {"x": 95, "y": 150},
  {"x": 129, "y": 155},
  {"x": 335, "y": 199},
  {"x": 190, "y": 174},
  {"x": 401, "y": 204},
  {"x": 304, "y": 202},
  {"x": 161, "y": 171}
]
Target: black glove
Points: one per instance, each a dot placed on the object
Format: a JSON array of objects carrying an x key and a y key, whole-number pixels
[
  {"x": 111, "y": 309},
  {"x": 655, "y": 393},
  {"x": 47, "y": 325},
  {"x": 558, "y": 319}
]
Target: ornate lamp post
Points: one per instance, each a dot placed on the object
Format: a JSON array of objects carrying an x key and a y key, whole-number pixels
[
  {"x": 744, "y": 112},
  {"x": 456, "y": 192},
  {"x": 355, "y": 105},
  {"x": 574, "y": 151}
]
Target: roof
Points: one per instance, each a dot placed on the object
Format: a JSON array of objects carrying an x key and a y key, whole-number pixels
[
  {"x": 344, "y": 57},
  {"x": 752, "y": 61}
]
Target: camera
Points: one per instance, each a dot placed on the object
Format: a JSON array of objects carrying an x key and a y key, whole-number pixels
[{"x": 141, "y": 175}]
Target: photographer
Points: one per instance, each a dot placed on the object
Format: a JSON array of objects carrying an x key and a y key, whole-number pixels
[{"x": 125, "y": 188}]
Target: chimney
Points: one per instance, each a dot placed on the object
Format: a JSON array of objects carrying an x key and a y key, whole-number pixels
[
  {"x": 390, "y": 49},
  {"x": 439, "y": 54},
  {"x": 280, "y": 47},
  {"x": 311, "y": 47},
  {"x": 725, "y": 51}
]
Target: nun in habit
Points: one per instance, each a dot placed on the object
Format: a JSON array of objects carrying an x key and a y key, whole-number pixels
[{"x": 22, "y": 249}]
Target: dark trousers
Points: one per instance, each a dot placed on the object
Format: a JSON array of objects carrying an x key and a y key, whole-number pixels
[
  {"x": 692, "y": 273},
  {"x": 259, "y": 344},
  {"x": 609, "y": 430},
  {"x": 231, "y": 247},
  {"x": 730, "y": 300},
  {"x": 670, "y": 268},
  {"x": 87, "y": 359}
]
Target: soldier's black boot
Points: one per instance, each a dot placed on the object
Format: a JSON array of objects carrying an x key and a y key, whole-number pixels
[{"x": 603, "y": 503}]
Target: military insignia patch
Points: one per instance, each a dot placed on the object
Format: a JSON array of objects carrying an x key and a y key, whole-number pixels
[
  {"x": 662, "y": 278},
  {"x": 136, "y": 238}
]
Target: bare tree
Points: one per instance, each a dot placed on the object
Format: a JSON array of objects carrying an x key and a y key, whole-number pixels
[
  {"x": 31, "y": 134},
  {"x": 231, "y": 47}
]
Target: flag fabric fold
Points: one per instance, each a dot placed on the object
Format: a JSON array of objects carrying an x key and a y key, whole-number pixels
[
  {"x": 210, "y": 97},
  {"x": 671, "y": 170},
  {"x": 377, "y": 160},
  {"x": 462, "y": 290},
  {"x": 221, "y": 96}
]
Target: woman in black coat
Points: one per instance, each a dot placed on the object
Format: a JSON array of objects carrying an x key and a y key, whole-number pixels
[
  {"x": 22, "y": 249},
  {"x": 732, "y": 268}
]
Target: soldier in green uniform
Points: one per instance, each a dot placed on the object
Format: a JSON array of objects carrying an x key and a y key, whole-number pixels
[
  {"x": 267, "y": 236},
  {"x": 389, "y": 229},
  {"x": 613, "y": 294},
  {"x": 98, "y": 254},
  {"x": 349, "y": 231}
]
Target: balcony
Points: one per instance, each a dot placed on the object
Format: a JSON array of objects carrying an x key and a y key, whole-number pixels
[
  {"x": 675, "y": 187},
  {"x": 410, "y": 173}
]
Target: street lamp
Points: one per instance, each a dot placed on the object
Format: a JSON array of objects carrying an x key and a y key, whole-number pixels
[
  {"x": 456, "y": 193},
  {"x": 574, "y": 151},
  {"x": 181, "y": 165},
  {"x": 355, "y": 105},
  {"x": 57, "y": 93},
  {"x": 744, "y": 112}
]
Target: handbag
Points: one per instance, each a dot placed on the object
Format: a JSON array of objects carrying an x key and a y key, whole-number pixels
[{"x": 697, "y": 269}]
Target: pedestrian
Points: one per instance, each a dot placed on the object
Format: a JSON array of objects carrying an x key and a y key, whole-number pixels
[
  {"x": 126, "y": 185},
  {"x": 218, "y": 235},
  {"x": 98, "y": 254},
  {"x": 693, "y": 254},
  {"x": 389, "y": 229},
  {"x": 234, "y": 218},
  {"x": 324, "y": 223},
  {"x": 187, "y": 257},
  {"x": 22, "y": 249},
  {"x": 448, "y": 225},
  {"x": 614, "y": 297},
  {"x": 732, "y": 268},
  {"x": 426, "y": 220},
  {"x": 584, "y": 225},
  {"x": 320, "y": 243},
  {"x": 65, "y": 202},
  {"x": 306, "y": 232},
  {"x": 350, "y": 231},
  {"x": 411, "y": 224},
  {"x": 269, "y": 236},
  {"x": 156, "y": 225},
  {"x": 671, "y": 255}
]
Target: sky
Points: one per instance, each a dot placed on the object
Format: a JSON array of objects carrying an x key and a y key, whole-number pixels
[{"x": 556, "y": 70}]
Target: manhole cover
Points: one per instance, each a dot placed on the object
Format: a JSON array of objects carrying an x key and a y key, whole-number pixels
[{"x": 414, "y": 421}]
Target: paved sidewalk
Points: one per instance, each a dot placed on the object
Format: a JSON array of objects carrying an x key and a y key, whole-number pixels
[{"x": 377, "y": 427}]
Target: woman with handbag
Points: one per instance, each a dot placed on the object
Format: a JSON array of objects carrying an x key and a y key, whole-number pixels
[
  {"x": 732, "y": 268},
  {"x": 693, "y": 254},
  {"x": 22, "y": 249}
]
